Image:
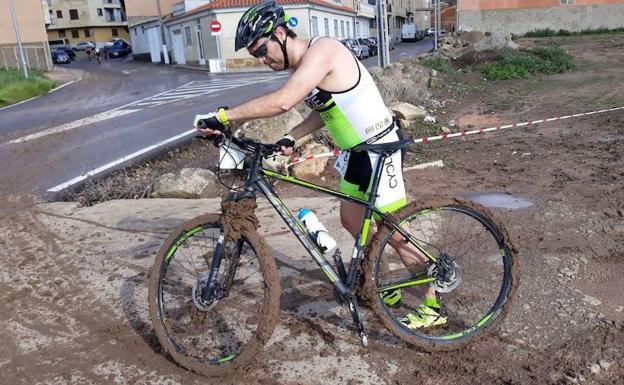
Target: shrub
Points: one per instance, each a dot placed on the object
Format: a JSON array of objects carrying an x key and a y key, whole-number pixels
[
  {"x": 522, "y": 64},
  {"x": 439, "y": 64}
]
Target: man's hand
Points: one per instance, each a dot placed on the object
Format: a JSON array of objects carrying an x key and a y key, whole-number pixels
[
  {"x": 287, "y": 144},
  {"x": 211, "y": 124}
]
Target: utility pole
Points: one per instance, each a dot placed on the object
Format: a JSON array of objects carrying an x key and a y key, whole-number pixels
[
  {"x": 19, "y": 38},
  {"x": 165, "y": 51},
  {"x": 382, "y": 35},
  {"x": 435, "y": 24}
]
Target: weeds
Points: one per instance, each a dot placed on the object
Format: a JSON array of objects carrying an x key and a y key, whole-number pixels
[
  {"x": 439, "y": 64},
  {"x": 562, "y": 32},
  {"x": 522, "y": 64}
]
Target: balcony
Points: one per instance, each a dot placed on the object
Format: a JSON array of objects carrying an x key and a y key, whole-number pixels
[{"x": 365, "y": 10}]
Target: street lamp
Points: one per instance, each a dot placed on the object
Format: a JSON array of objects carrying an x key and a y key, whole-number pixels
[{"x": 19, "y": 39}]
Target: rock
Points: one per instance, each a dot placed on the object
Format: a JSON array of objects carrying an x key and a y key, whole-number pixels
[
  {"x": 188, "y": 183},
  {"x": 407, "y": 111},
  {"x": 404, "y": 81},
  {"x": 604, "y": 364},
  {"x": 594, "y": 368},
  {"x": 276, "y": 163},
  {"x": 270, "y": 130},
  {"x": 429, "y": 119},
  {"x": 446, "y": 130},
  {"x": 592, "y": 300},
  {"x": 495, "y": 40},
  {"x": 313, "y": 167}
]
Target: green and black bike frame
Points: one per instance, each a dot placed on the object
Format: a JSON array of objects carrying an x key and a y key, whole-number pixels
[{"x": 257, "y": 180}]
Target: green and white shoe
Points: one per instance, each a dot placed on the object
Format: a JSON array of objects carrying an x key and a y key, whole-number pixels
[{"x": 425, "y": 316}]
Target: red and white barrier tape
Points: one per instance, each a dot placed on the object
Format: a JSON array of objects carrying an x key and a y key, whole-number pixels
[{"x": 463, "y": 133}]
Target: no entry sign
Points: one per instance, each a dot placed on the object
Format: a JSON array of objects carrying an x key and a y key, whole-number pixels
[{"x": 215, "y": 27}]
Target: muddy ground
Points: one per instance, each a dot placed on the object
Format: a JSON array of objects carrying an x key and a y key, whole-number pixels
[{"x": 73, "y": 280}]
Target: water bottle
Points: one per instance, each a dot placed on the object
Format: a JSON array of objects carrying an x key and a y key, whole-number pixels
[{"x": 317, "y": 231}]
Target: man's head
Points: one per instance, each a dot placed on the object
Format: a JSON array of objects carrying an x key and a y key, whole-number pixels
[{"x": 263, "y": 31}]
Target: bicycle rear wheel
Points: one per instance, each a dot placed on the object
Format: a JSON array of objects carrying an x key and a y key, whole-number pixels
[
  {"x": 475, "y": 276},
  {"x": 227, "y": 332}
]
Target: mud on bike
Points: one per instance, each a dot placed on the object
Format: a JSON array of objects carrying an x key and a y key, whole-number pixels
[{"x": 214, "y": 288}]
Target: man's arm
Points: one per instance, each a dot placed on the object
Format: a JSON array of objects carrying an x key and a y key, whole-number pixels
[
  {"x": 315, "y": 66},
  {"x": 310, "y": 124}
]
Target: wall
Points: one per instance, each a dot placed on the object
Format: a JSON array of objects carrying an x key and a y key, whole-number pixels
[
  {"x": 100, "y": 35},
  {"x": 137, "y": 8},
  {"x": 29, "y": 15},
  {"x": 522, "y": 20}
]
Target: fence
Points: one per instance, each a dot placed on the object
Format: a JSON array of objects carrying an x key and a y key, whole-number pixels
[{"x": 37, "y": 56}]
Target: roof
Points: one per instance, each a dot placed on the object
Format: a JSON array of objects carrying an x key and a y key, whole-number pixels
[{"x": 224, "y": 4}]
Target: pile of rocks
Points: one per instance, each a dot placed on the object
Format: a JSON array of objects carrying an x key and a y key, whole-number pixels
[{"x": 455, "y": 45}]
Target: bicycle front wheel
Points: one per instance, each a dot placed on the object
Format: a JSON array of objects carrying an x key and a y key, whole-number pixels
[
  {"x": 473, "y": 279},
  {"x": 226, "y": 331}
]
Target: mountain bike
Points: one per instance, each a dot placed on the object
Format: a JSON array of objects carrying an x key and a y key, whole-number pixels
[{"x": 214, "y": 288}]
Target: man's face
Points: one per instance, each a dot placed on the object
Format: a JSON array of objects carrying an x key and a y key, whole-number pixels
[{"x": 268, "y": 52}]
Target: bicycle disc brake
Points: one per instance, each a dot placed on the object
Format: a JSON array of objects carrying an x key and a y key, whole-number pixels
[
  {"x": 446, "y": 273},
  {"x": 205, "y": 304}
]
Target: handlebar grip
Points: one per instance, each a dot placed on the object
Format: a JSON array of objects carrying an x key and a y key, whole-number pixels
[{"x": 201, "y": 124}]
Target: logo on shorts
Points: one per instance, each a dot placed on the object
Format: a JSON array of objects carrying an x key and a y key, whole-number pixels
[{"x": 391, "y": 172}]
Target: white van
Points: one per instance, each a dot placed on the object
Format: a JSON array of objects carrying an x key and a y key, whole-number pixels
[{"x": 410, "y": 32}]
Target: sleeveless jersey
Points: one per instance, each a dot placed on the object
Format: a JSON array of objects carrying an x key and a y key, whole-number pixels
[{"x": 353, "y": 116}]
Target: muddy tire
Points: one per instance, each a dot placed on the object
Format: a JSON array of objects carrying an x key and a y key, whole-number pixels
[
  {"x": 480, "y": 290},
  {"x": 227, "y": 335}
]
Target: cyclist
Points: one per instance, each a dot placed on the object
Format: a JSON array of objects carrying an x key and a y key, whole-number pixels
[{"x": 344, "y": 98}]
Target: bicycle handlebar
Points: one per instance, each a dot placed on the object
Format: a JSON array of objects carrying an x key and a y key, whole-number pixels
[{"x": 266, "y": 149}]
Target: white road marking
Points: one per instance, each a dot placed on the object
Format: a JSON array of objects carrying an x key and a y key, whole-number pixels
[
  {"x": 119, "y": 161},
  {"x": 81, "y": 122}
]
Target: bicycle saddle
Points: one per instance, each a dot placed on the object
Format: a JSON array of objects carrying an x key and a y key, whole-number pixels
[{"x": 381, "y": 148}]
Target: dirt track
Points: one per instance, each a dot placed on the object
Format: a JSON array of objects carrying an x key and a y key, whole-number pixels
[{"x": 73, "y": 289}]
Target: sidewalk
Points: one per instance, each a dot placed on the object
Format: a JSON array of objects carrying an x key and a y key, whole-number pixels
[
  {"x": 229, "y": 70},
  {"x": 63, "y": 75}
]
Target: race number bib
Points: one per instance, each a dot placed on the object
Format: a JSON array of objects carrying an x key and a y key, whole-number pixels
[{"x": 342, "y": 162}]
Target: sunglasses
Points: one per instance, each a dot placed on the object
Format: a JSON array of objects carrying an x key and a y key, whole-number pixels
[{"x": 261, "y": 51}]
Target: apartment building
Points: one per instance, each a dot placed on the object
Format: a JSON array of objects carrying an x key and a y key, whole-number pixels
[
  {"x": 93, "y": 20},
  {"x": 139, "y": 11},
  {"x": 519, "y": 17},
  {"x": 30, "y": 16},
  {"x": 190, "y": 41}
]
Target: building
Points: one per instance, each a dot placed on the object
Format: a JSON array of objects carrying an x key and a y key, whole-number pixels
[
  {"x": 30, "y": 16},
  {"x": 520, "y": 17},
  {"x": 93, "y": 20},
  {"x": 139, "y": 11},
  {"x": 190, "y": 40},
  {"x": 366, "y": 14}
]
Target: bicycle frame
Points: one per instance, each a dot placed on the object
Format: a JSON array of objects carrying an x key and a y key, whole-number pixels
[{"x": 256, "y": 181}]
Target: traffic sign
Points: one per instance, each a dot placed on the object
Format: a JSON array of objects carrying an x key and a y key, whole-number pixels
[
  {"x": 215, "y": 27},
  {"x": 292, "y": 22}
]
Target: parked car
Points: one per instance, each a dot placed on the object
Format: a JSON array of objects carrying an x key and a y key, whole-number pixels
[
  {"x": 83, "y": 45},
  {"x": 431, "y": 31},
  {"x": 70, "y": 52},
  {"x": 112, "y": 41},
  {"x": 120, "y": 48},
  {"x": 372, "y": 47},
  {"x": 374, "y": 40},
  {"x": 59, "y": 56},
  {"x": 359, "y": 50}
]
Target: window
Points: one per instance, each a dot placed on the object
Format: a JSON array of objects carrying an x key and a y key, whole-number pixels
[
  {"x": 567, "y": 2},
  {"x": 335, "y": 28},
  {"x": 114, "y": 32},
  {"x": 59, "y": 14},
  {"x": 188, "y": 36},
  {"x": 348, "y": 30},
  {"x": 87, "y": 33},
  {"x": 75, "y": 33},
  {"x": 342, "y": 34},
  {"x": 198, "y": 25},
  {"x": 73, "y": 14},
  {"x": 372, "y": 23},
  {"x": 135, "y": 32},
  {"x": 61, "y": 33},
  {"x": 314, "y": 26},
  {"x": 99, "y": 12},
  {"x": 327, "y": 27}
]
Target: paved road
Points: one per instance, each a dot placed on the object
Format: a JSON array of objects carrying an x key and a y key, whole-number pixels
[{"x": 116, "y": 110}]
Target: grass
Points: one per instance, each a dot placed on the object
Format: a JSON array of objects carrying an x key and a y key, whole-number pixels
[
  {"x": 562, "y": 32},
  {"x": 15, "y": 88},
  {"x": 522, "y": 64}
]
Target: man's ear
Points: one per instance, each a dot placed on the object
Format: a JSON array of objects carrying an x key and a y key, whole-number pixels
[{"x": 280, "y": 32}]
